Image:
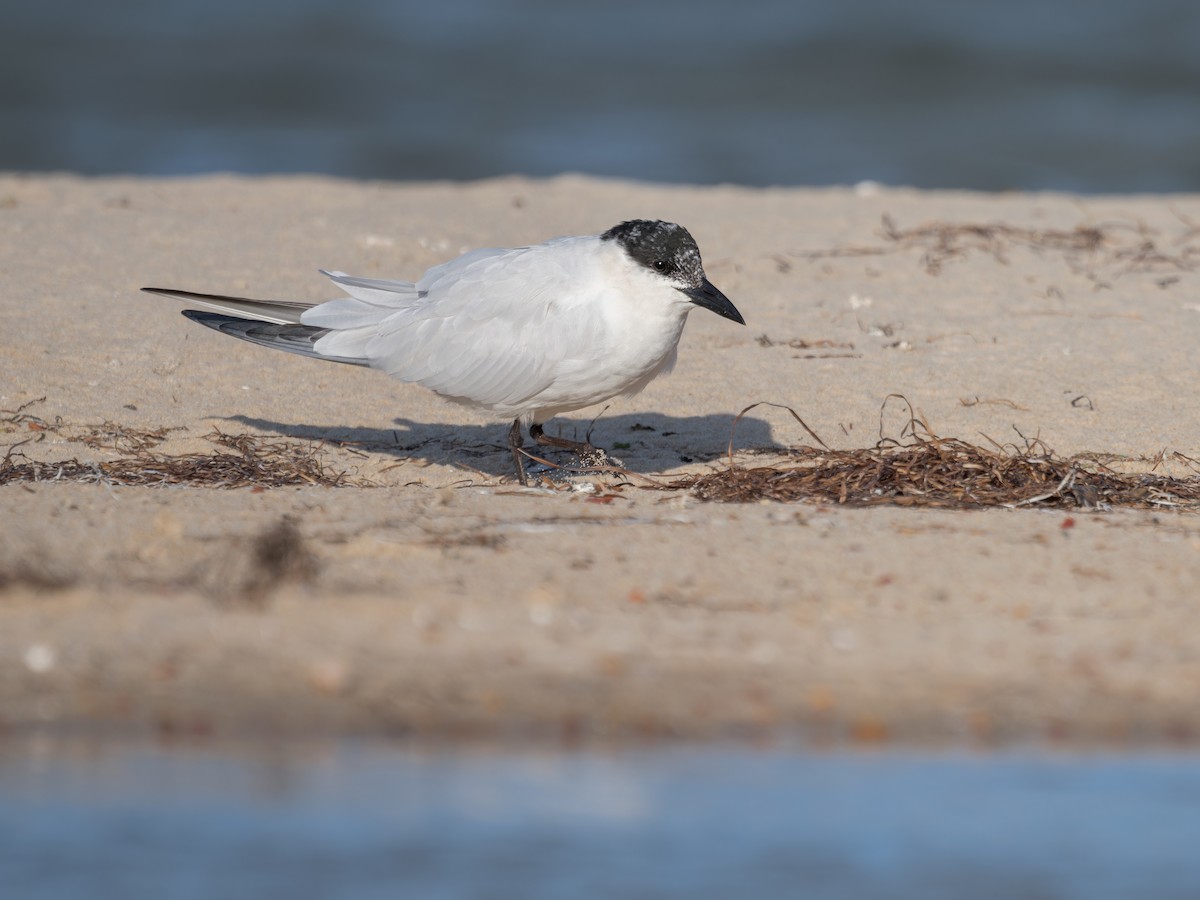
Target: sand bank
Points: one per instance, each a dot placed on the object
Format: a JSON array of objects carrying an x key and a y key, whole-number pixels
[{"x": 444, "y": 601}]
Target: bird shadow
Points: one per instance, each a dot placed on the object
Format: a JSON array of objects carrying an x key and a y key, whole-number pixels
[{"x": 644, "y": 442}]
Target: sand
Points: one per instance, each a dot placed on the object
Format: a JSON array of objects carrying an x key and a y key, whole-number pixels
[{"x": 444, "y": 601}]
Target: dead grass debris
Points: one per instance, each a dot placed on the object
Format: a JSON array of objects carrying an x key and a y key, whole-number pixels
[
  {"x": 923, "y": 469},
  {"x": 242, "y": 460},
  {"x": 1102, "y": 251}
]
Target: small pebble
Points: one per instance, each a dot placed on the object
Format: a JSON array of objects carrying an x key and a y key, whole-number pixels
[
  {"x": 843, "y": 639},
  {"x": 329, "y": 676},
  {"x": 541, "y": 613},
  {"x": 40, "y": 658}
]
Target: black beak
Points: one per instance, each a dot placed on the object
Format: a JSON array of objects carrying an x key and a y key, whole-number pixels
[{"x": 710, "y": 298}]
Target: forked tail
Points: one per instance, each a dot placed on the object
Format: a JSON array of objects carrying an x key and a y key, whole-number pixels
[{"x": 268, "y": 323}]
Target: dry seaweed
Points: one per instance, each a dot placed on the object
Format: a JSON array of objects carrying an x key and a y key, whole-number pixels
[
  {"x": 105, "y": 436},
  {"x": 1120, "y": 247},
  {"x": 245, "y": 461},
  {"x": 944, "y": 473},
  {"x": 926, "y": 470}
]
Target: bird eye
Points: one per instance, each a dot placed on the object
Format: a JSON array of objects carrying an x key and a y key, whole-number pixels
[{"x": 661, "y": 265}]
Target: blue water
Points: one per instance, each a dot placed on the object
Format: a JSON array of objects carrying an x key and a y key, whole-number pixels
[
  {"x": 1086, "y": 95},
  {"x": 102, "y": 820}
]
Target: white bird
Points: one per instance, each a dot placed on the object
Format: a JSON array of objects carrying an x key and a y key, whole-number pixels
[{"x": 530, "y": 332}]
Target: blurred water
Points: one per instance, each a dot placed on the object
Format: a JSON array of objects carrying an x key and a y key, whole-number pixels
[
  {"x": 1087, "y": 95},
  {"x": 368, "y": 820}
]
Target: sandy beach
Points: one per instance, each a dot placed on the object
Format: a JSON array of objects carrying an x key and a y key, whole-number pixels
[{"x": 432, "y": 596}]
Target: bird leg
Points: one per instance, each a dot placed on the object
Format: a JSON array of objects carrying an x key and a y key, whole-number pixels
[
  {"x": 515, "y": 445},
  {"x": 589, "y": 455}
]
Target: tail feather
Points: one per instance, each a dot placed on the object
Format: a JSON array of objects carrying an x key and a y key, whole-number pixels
[
  {"x": 281, "y": 312},
  {"x": 286, "y": 336}
]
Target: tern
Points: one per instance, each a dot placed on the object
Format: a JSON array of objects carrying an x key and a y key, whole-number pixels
[{"x": 527, "y": 333}]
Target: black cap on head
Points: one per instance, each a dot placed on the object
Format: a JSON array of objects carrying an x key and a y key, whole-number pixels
[
  {"x": 670, "y": 250},
  {"x": 663, "y": 247}
]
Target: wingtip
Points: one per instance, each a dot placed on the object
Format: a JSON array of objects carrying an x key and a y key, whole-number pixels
[{"x": 174, "y": 293}]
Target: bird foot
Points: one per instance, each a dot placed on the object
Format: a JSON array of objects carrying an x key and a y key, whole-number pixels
[{"x": 589, "y": 455}]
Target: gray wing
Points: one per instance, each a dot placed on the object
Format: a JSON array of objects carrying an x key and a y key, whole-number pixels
[
  {"x": 491, "y": 328},
  {"x": 278, "y": 336}
]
